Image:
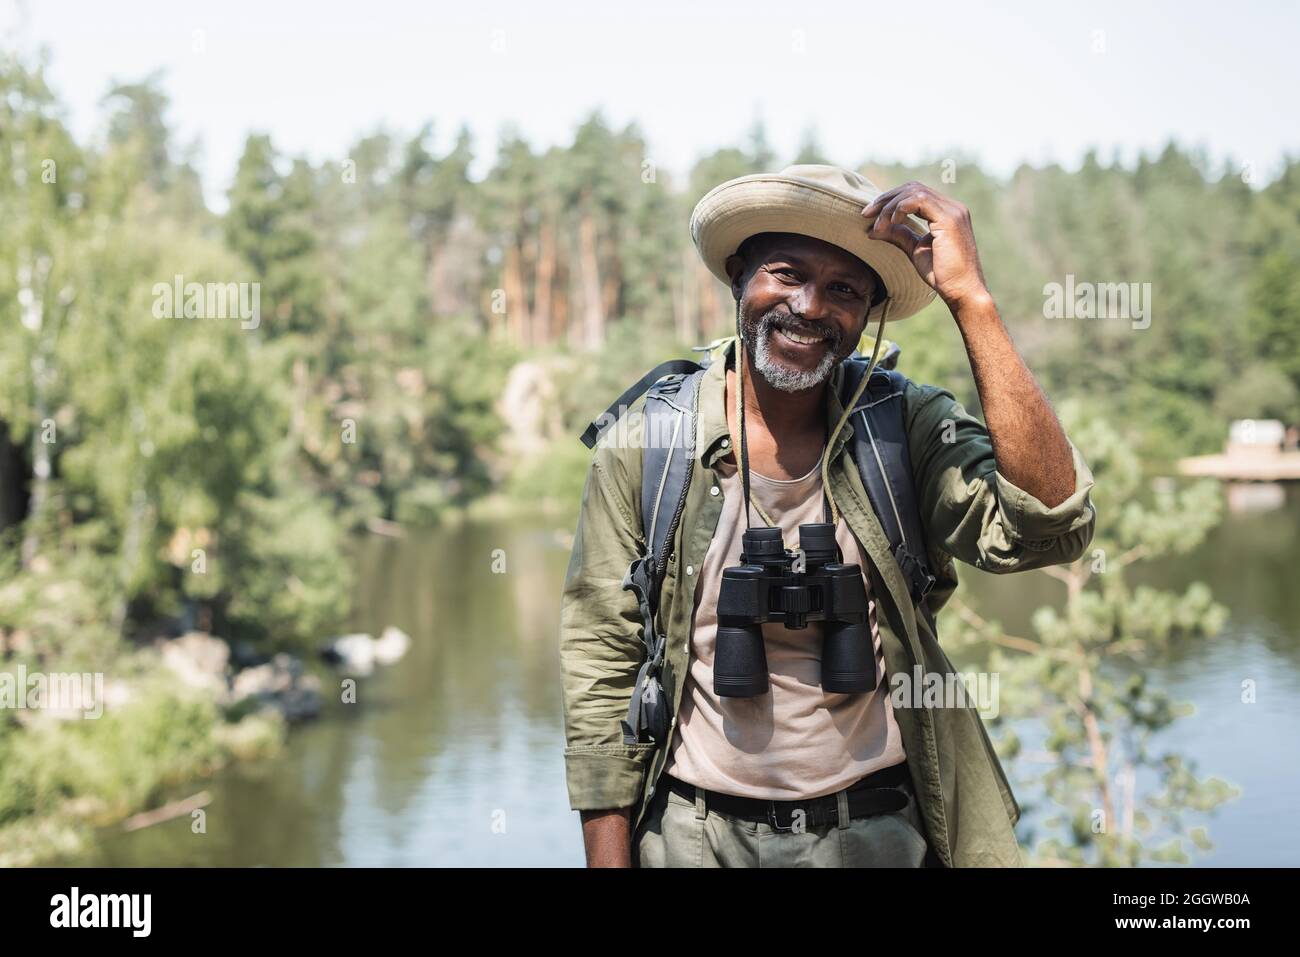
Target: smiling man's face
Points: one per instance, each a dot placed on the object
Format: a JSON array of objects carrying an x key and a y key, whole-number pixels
[{"x": 803, "y": 305}]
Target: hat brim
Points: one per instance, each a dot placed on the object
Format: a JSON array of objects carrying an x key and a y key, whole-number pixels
[{"x": 768, "y": 203}]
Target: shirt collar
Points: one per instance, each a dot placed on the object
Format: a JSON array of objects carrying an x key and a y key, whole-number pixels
[{"x": 713, "y": 440}]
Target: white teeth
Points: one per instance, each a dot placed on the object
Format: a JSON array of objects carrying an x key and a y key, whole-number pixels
[{"x": 802, "y": 340}]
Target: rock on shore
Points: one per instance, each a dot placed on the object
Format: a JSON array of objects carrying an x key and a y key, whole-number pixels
[{"x": 202, "y": 661}]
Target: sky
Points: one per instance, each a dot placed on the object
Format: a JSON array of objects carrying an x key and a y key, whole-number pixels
[{"x": 1002, "y": 83}]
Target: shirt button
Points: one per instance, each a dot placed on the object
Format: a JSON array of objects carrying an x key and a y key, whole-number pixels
[
  {"x": 690, "y": 569},
  {"x": 714, "y": 490},
  {"x": 726, "y": 443}
]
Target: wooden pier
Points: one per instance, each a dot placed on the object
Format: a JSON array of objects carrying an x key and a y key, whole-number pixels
[{"x": 1255, "y": 452}]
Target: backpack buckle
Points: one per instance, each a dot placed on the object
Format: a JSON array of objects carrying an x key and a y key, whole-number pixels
[{"x": 919, "y": 579}]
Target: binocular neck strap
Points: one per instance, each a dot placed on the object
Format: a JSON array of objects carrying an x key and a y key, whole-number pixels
[
  {"x": 740, "y": 410},
  {"x": 848, "y": 409},
  {"x": 740, "y": 422}
]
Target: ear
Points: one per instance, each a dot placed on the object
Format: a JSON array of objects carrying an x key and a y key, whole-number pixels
[{"x": 735, "y": 267}]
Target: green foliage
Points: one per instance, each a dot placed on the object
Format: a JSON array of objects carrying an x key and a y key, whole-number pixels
[
  {"x": 146, "y": 459},
  {"x": 288, "y": 563},
  {"x": 1079, "y": 683},
  {"x": 53, "y": 612},
  {"x": 554, "y": 479},
  {"x": 118, "y": 761},
  {"x": 1261, "y": 391},
  {"x": 60, "y": 778},
  {"x": 269, "y": 225}
]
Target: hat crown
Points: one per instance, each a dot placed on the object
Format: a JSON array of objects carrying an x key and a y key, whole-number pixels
[{"x": 843, "y": 181}]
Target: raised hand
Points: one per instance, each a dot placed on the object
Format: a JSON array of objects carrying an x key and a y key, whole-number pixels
[{"x": 945, "y": 256}]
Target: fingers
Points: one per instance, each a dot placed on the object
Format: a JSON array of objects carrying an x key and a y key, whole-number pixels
[
  {"x": 887, "y": 215},
  {"x": 897, "y": 210},
  {"x": 874, "y": 209},
  {"x": 915, "y": 198},
  {"x": 874, "y": 206},
  {"x": 891, "y": 221},
  {"x": 901, "y": 236}
]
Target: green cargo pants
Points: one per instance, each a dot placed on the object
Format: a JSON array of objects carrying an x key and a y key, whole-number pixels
[{"x": 679, "y": 833}]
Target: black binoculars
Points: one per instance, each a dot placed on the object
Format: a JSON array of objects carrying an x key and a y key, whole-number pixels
[{"x": 774, "y": 584}]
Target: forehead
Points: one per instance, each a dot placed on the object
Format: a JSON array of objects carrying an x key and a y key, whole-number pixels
[{"x": 808, "y": 252}]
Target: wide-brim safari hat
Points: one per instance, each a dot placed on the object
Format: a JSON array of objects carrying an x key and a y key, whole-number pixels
[{"x": 824, "y": 202}]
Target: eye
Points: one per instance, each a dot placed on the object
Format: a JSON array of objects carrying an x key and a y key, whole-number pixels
[
  {"x": 785, "y": 272},
  {"x": 846, "y": 290}
]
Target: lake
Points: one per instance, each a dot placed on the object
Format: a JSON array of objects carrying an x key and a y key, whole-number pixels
[{"x": 453, "y": 756}]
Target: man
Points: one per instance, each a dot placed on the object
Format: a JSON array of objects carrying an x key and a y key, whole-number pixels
[{"x": 800, "y": 776}]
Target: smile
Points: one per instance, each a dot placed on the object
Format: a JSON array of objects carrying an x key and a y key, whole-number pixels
[{"x": 800, "y": 338}]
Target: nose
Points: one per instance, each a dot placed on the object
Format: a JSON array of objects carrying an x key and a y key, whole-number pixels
[{"x": 810, "y": 302}]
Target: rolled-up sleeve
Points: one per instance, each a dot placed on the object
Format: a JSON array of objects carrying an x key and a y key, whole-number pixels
[
  {"x": 600, "y": 643},
  {"x": 971, "y": 511}
]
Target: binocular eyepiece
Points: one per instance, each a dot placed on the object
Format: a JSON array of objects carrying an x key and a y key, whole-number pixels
[{"x": 773, "y": 584}]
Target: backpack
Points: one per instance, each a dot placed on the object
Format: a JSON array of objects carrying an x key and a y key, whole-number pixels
[{"x": 879, "y": 447}]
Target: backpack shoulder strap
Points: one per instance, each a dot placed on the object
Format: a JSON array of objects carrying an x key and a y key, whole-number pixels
[
  {"x": 885, "y": 465},
  {"x": 615, "y": 411},
  {"x": 668, "y": 438},
  {"x": 670, "y": 413}
]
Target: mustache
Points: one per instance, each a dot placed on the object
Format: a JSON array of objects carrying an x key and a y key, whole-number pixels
[{"x": 796, "y": 323}]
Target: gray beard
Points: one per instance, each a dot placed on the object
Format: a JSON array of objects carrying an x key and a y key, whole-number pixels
[{"x": 781, "y": 377}]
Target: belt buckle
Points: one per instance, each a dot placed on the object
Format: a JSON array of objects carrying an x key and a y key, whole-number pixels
[{"x": 772, "y": 820}]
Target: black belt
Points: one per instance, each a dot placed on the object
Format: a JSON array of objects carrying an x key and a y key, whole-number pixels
[{"x": 877, "y": 793}]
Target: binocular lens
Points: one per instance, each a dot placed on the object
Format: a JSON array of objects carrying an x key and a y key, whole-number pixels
[
  {"x": 762, "y": 544},
  {"x": 818, "y": 541}
]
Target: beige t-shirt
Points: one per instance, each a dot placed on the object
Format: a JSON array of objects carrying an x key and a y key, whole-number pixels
[{"x": 797, "y": 741}]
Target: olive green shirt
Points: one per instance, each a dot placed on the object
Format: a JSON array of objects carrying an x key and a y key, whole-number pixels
[{"x": 970, "y": 511}]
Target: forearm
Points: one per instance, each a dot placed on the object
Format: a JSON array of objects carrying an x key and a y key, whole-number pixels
[
  {"x": 608, "y": 837},
  {"x": 1029, "y": 444}
]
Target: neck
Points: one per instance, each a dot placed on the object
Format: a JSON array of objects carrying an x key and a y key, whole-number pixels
[{"x": 781, "y": 414}]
